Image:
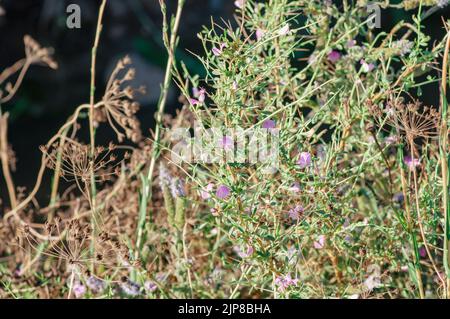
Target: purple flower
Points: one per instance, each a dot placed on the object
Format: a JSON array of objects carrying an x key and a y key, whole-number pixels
[
  {"x": 334, "y": 56},
  {"x": 79, "y": 289},
  {"x": 205, "y": 193},
  {"x": 295, "y": 187},
  {"x": 218, "y": 51},
  {"x": 366, "y": 67},
  {"x": 259, "y": 34},
  {"x": 422, "y": 251},
  {"x": 398, "y": 198},
  {"x": 201, "y": 95},
  {"x": 227, "y": 143},
  {"x": 194, "y": 102},
  {"x": 130, "y": 288},
  {"x": 320, "y": 242},
  {"x": 391, "y": 140},
  {"x": 294, "y": 213},
  {"x": 284, "y": 282},
  {"x": 304, "y": 160},
  {"x": 411, "y": 162},
  {"x": 243, "y": 253},
  {"x": 223, "y": 192},
  {"x": 150, "y": 286},
  {"x": 95, "y": 284},
  {"x": 267, "y": 124}
]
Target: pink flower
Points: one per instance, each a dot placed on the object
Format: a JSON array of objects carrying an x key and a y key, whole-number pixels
[
  {"x": 366, "y": 67},
  {"x": 227, "y": 143},
  {"x": 267, "y": 124},
  {"x": 320, "y": 242},
  {"x": 411, "y": 162},
  {"x": 79, "y": 290},
  {"x": 294, "y": 213},
  {"x": 218, "y": 51},
  {"x": 334, "y": 56},
  {"x": 205, "y": 193},
  {"x": 243, "y": 253},
  {"x": 295, "y": 187},
  {"x": 235, "y": 85},
  {"x": 201, "y": 95},
  {"x": 259, "y": 34},
  {"x": 284, "y": 282},
  {"x": 223, "y": 192},
  {"x": 304, "y": 160},
  {"x": 239, "y": 3},
  {"x": 194, "y": 101},
  {"x": 150, "y": 286},
  {"x": 351, "y": 43},
  {"x": 422, "y": 251},
  {"x": 284, "y": 30}
]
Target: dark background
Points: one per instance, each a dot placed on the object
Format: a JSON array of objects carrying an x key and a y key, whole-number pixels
[{"x": 47, "y": 97}]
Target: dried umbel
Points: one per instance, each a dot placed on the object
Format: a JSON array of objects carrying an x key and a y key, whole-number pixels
[
  {"x": 411, "y": 120},
  {"x": 34, "y": 54},
  {"x": 119, "y": 107},
  {"x": 79, "y": 165},
  {"x": 71, "y": 241}
]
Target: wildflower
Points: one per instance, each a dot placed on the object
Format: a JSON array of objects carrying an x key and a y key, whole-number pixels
[
  {"x": 334, "y": 56},
  {"x": 391, "y": 140},
  {"x": 366, "y": 67},
  {"x": 79, "y": 289},
  {"x": 259, "y": 34},
  {"x": 294, "y": 213},
  {"x": 295, "y": 187},
  {"x": 219, "y": 51},
  {"x": 235, "y": 85},
  {"x": 205, "y": 193},
  {"x": 268, "y": 124},
  {"x": 223, "y": 192},
  {"x": 194, "y": 102},
  {"x": 411, "y": 162},
  {"x": 312, "y": 58},
  {"x": 150, "y": 286},
  {"x": 243, "y": 253},
  {"x": 351, "y": 43},
  {"x": 398, "y": 198},
  {"x": 130, "y": 288},
  {"x": 422, "y": 251},
  {"x": 239, "y": 3},
  {"x": 402, "y": 47},
  {"x": 95, "y": 284},
  {"x": 284, "y": 30},
  {"x": 284, "y": 282},
  {"x": 320, "y": 242},
  {"x": 226, "y": 143},
  {"x": 304, "y": 160}
]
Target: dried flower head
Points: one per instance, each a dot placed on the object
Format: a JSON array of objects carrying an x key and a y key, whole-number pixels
[
  {"x": 119, "y": 107},
  {"x": 77, "y": 162},
  {"x": 36, "y": 54}
]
